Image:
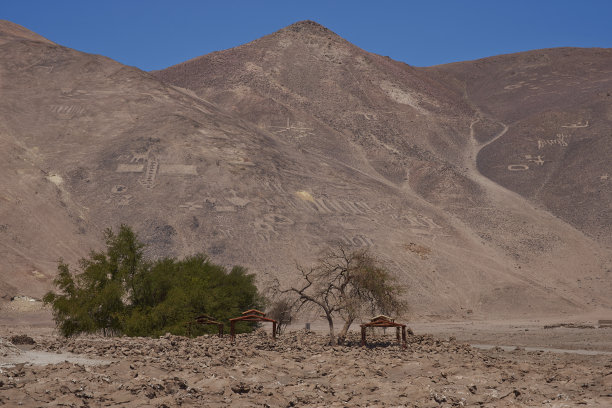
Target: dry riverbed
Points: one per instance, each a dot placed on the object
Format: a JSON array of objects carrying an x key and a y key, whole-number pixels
[{"x": 296, "y": 370}]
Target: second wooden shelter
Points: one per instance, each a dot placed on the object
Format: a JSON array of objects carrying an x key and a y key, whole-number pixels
[
  {"x": 251, "y": 315},
  {"x": 384, "y": 321}
]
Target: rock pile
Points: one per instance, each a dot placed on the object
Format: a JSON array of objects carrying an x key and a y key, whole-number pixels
[
  {"x": 300, "y": 369},
  {"x": 22, "y": 339},
  {"x": 7, "y": 348}
]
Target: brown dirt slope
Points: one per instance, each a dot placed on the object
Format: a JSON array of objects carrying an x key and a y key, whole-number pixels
[
  {"x": 278, "y": 149},
  {"x": 557, "y": 104},
  {"x": 10, "y": 31},
  {"x": 417, "y": 128}
]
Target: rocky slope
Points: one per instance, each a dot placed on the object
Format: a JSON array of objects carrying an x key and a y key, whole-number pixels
[
  {"x": 297, "y": 370},
  {"x": 419, "y": 129},
  {"x": 557, "y": 105},
  {"x": 266, "y": 154}
]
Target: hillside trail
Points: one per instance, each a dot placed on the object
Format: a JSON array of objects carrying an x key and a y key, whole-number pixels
[
  {"x": 496, "y": 192},
  {"x": 509, "y": 200}
]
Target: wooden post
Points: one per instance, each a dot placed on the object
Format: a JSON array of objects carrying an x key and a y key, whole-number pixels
[
  {"x": 397, "y": 334},
  {"x": 274, "y": 330},
  {"x": 404, "y": 345},
  {"x": 220, "y": 329},
  {"x": 363, "y": 336}
]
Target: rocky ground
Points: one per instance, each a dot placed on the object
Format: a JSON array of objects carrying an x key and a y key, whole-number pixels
[{"x": 298, "y": 369}]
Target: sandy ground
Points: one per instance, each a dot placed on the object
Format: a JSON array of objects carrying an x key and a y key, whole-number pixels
[
  {"x": 526, "y": 334},
  {"x": 538, "y": 333},
  {"x": 299, "y": 369}
]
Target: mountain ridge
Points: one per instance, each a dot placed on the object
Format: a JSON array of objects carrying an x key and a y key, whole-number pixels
[
  {"x": 8, "y": 28},
  {"x": 264, "y": 155}
]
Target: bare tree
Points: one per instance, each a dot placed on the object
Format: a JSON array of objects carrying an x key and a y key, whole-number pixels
[
  {"x": 281, "y": 310},
  {"x": 346, "y": 283}
]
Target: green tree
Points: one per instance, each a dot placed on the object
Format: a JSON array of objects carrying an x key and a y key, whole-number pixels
[
  {"x": 68, "y": 310},
  {"x": 95, "y": 299},
  {"x": 118, "y": 291},
  {"x": 172, "y": 292}
]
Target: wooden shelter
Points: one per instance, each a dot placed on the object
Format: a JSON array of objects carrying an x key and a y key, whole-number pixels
[
  {"x": 384, "y": 321},
  {"x": 205, "y": 320},
  {"x": 251, "y": 315}
]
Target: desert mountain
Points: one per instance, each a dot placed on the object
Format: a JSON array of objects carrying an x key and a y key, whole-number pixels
[
  {"x": 557, "y": 106},
  {"x": 265, "y": 154}
]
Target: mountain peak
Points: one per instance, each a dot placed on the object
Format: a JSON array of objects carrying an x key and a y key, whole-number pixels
[{"x": 307, "y": 26}]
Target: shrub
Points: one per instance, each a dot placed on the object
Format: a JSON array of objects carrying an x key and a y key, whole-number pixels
[{"x": 119, "y": 292}]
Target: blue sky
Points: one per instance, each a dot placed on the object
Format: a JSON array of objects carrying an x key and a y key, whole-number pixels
[{"x": 156, "y": 34}]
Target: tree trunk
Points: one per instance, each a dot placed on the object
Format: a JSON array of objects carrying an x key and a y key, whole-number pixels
[
  {"x": 344, "y": 331},
  {"x": 332, "y": 338}
]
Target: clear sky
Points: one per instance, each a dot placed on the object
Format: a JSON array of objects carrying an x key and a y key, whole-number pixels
[{"x": 154, "y": 34}]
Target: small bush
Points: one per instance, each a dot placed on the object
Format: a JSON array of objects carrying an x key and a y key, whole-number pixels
[{"x": 281, "y": 311}]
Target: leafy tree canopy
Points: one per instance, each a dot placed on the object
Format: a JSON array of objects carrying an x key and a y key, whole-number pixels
[{"x": 118, "y": 291}]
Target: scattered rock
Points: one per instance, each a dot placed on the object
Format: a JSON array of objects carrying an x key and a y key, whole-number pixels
[
  {"x": 173, "y": 371},
  {"x": 8, "y": 349},
  {"x": 569, "y": 326},
  {"x": 439, "y": 398},
  {"x": 22, "y": 339},
  {"x": 241, "y": 388}
]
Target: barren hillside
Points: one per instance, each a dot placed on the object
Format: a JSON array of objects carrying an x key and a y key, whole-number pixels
[
  {"x": 557, "y": 104},
  {"x": 265, "y": 154}
]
